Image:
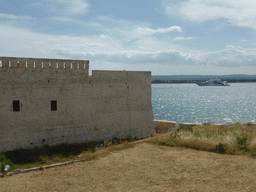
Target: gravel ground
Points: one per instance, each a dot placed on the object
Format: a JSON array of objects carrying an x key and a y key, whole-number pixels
[{"x": 145, "y": 167}]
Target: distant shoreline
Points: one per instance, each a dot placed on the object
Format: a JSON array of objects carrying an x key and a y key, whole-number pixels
[
  {"x": 200, "y": 78},
  {"x": 194, "y": 81}
]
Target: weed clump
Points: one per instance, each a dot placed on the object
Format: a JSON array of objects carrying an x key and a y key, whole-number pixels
[
  {"x": 179, "y": 131},
  {"x": 189, "y": 129},
  {"x": 221, "y": 147},
  {"x": 242, "y": 141},
  {"x": 4, "y": 161}
]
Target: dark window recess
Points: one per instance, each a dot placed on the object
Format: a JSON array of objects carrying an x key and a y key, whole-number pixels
[
  {"x": 16, "y": 105},
  {"x": 53, "y": 105}
]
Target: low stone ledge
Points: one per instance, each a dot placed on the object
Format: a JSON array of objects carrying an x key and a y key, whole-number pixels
[
  {"x": 184, "y": 125},
  {"x": 163, "y": 126},
  {"x": 25, "y": 170},
  {"x": 57, "y": 164},
  {"x": 18, "y": 171}
]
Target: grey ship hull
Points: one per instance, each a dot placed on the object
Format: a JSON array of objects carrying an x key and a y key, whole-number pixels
[
  {"x": 206, "y": 84},
  {"x": 216, "y": 82}
]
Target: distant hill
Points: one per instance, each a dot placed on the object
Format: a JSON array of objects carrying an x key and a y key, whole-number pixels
[{"x": 201, "y": 77}]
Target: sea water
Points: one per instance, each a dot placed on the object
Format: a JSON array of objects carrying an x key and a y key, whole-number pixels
[{"x": 204, "y": 104}]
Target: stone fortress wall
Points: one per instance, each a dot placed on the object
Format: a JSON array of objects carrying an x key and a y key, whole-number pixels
[{"x": 52, "y": 101}]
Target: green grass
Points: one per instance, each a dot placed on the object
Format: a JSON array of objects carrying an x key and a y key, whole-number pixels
[
  {"x": 40, "y": 156},
  {"x": 230, "y": 138}
]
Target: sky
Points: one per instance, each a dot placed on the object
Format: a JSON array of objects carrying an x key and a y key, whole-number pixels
[{"x": 166, "y": 37}]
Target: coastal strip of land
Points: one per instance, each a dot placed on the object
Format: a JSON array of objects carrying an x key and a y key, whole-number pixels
[
  {"x": 181, "y": 157},
  {"x": 156, "y": 79},
  {"x": 144, "y": 167}
]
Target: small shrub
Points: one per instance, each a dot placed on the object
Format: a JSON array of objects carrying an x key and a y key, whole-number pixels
[
  {"x": 189, "y": 129},
  {"x": 106, "y": 144},
  {"x": 242, "y": 140},
  {"x": 178, "y": 132},
  {"x": 130, "y": 139},
  {"x": 170, "y": 143},
  {"x": 221, "y": 147},
  {"x": 4, "y": 162},
  {"x": 119, "y": 141},
  {"x": 115, "y": 141}
]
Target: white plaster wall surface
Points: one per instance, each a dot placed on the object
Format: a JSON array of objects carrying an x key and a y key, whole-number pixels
[{"x": 89, "y": 108}]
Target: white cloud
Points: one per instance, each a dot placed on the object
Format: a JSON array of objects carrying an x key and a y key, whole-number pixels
[
  {"x": 10, "y": 16},
  {"x": 21, "y": 42},
  {"x": 127, "y": 30},
  {"x": 140, "y": 32},
  {"x": 67, "y": 19},
  {"x": 182, "y": 38},
  {"x": 148, "y": 31},
  {"x": 230, "y": 46},
  {"x": 240, "y": 13},
  {"x": 232, "y": 57},
  {"x": 24, "y": 43},
  {"x": 103, "y": 36}
]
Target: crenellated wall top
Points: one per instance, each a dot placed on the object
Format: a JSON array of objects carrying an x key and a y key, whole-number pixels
[{"x": 42, "y": 63}]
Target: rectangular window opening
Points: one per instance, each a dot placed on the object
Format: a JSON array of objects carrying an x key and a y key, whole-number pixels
[
  {"x": 16, "y": 105},
  {"x": 53, "y": 105}
]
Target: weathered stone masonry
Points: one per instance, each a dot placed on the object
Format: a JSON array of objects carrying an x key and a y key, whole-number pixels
[{"x": 50, "y": 101}]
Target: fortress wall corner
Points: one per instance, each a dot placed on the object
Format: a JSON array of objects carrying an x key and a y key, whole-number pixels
[{"x": 127, "y": 97}]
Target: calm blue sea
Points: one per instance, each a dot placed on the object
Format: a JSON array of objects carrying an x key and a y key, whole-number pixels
[{"x": 202, "y": 104}]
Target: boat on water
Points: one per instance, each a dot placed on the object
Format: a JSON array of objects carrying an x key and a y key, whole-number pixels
[{"x": 213, "y": 82}]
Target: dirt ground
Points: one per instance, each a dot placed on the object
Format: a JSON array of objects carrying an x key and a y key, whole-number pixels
[{"x": 145, "y": 167}]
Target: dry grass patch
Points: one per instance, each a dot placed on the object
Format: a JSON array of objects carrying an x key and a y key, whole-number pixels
[
  {"x": 104, "y": 151},
  {"x": 230, "y": 138},
  {"x": 145, "y": 167}
]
